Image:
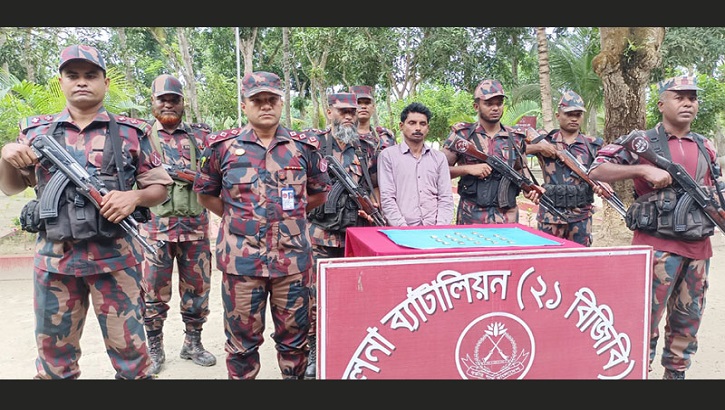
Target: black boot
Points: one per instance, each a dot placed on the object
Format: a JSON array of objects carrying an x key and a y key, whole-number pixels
[
  {"x": 194, "y": 350},
  {"x": 156, "y": 351},
  {"x": 311, "y": 371}
]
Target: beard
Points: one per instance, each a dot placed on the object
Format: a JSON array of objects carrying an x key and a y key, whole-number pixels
[
  {"x": 345, "y": 133},
  {"x": 168, "y": 120}
]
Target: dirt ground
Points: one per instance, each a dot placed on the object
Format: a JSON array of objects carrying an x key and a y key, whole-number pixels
[{"x": 18, "y": 354}]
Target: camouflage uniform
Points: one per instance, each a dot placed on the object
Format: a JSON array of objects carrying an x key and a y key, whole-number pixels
[
  {"x": 508, "y": 144},
  {"x": 381, "y": 137},
  {"x": 262, "y": 248},
  {"x": 68, "y": 272},
  {"x": 186, "y": 239},
  {"x": 327, "y": 243},
  {"x": 679, "y": 268},
  {"x": 577, "y": 226}
]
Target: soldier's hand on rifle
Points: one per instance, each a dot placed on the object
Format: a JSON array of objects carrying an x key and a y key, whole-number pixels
[
  {"x": 481, "y": 170},
  {"x": 534, "y": 196},
  {"x": 602, "y": 189},
  {"x": 658, "y": 178},
  {"x": 117, "y": 205},
  {"x": 365, "y": 216},
  {"x": 19, "y": 155},
  {"x": 542, "y": 147}
]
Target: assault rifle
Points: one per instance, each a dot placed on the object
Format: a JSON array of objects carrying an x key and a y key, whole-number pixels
[
  {"x": 465, "y": 147},
  {"x": 52, "y": 154},
  {"x": 361, "y": 196},
  {"x": 637, "y": 143},
  {"x": 180, "y": 173},
  {"x": 568, "y": 159}
]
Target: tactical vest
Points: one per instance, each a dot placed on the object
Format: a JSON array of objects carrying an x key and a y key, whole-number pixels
[
  {"x": 78, "y": 218},
  {"x": 568, "y": 196},
  {"x": 181, "y": 199},
  {"x": 671, "y": 213},
  {"x": 339, "y": 210},
  {"x": 493, "y": 191}
]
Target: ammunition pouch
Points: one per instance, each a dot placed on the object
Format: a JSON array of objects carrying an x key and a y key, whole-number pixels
[
  {"x": 668, "y": 213},
  {"x": 78, "y": 218},
  {"x": 568, "y": 195},
  {"x": 30, "y": 217},
  {"x": 492, "y": 191},
  {"x": 338, "y": 213},
  {"x": 181, "y": 202}
]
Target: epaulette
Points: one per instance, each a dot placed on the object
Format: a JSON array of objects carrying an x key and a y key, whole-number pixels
[
  {"x": 309, "y": 138},
  {"x": 460, "y": 126},
  {"x": 141, "y": 125},
  {"x": 224, "y": 135},
  {"x": 516, "y": 130},
  {"x": 597, "y": 141},
  {"x": 201, "y": 125},
  {"x": 34, "y": 121},
  {"x": 315, "y": 131}
]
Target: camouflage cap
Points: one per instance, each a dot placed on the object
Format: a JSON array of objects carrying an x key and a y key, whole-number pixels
[
  {"x": 81, "y": 52},
  {"x": 166, "y": 84},
  {"x": 680, "y": 83},
  {"x": 261, "y": 81},
  {"x": 362, "y": 91},
  {"x": 488, "y": 89},
  {"x": 571, "y": 101},
  {"x": 342, "y": 100}
]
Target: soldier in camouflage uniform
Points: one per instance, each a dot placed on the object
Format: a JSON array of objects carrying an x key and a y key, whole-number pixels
[
  {"x": 679, "y": 267},
  {"x": 262, "y": 180},
  {"x": 103, "y": 267},
  {"x": 480, "y": 200},
  {"x": 380, "y": 136},
  {"x": 183, "y": 226},
  {"x": 358, "y": 156},
  {"x": 559, "y": 180}
]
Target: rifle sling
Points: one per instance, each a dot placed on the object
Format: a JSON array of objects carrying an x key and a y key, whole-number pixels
[{"x": 156, "y": 143}]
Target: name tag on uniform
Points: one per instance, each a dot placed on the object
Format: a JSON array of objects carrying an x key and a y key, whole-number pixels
[{"x": 288, "y": 198}]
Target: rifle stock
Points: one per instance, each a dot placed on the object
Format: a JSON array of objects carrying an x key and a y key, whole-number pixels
[
  {"x": 180, "y": 174},
  {"x": 361, "y": 197},
  {"x": 50, "y": 151},
  {"x": 637, "y": 143},
  {"x": 465, "y": 147}
]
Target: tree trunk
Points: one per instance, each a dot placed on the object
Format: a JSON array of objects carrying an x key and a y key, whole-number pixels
[
  {"x": 627, "y": 56},
  {"x": 187, "y": 62},
  {"x": 246, "y": 47},
  {"x": 547, "y": 111},
  {"x": 27, "y": 55}
]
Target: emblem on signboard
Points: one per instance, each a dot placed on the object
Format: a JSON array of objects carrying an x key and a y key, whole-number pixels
[{"x": 494, "y": 347}]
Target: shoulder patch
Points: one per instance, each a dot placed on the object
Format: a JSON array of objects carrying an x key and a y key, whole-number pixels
[
  {"x": 610, "y": 150},
  {"x": 460, "y": 126},
  {"x": 34, "y": 121},
  {"x": 223, "y": 135}
]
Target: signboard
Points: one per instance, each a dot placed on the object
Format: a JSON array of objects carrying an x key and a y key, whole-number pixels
[
  {"x": 573, "y": 313},
  {"x": 527, "y": 121}
]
